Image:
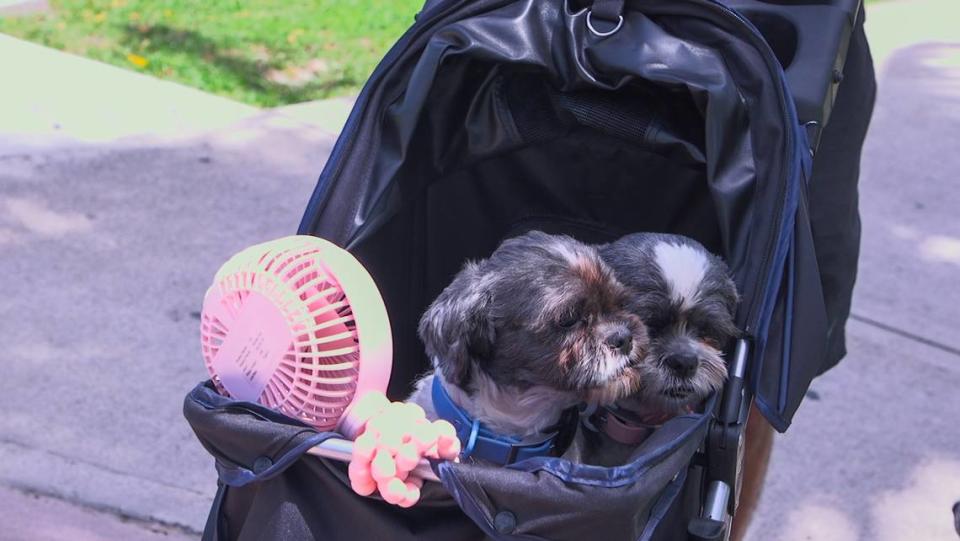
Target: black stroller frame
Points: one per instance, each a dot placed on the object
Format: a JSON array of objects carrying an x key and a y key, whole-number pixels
[{"x": 727, "y": 100}]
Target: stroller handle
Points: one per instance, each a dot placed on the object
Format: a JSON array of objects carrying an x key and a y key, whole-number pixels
[{"x": 342, "y": 450}]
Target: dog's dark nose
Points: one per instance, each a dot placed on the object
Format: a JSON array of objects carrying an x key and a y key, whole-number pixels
[
  {"x": 684, "y": 365},
  {"x": 620, "y": 340}
]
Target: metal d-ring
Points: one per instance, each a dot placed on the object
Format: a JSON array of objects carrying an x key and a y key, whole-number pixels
[
  {"x": 603, "y": 34},
  {"x": 806, "y": 128}
]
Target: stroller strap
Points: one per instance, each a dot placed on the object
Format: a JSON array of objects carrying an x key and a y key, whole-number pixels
[
  {"x": 621, "y": 429},
  {"x": 625, "y": 427},
  {"x": 483, "y": 443}
]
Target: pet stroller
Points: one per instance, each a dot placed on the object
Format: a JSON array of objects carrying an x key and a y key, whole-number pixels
[{"x": 594, "y": 119}]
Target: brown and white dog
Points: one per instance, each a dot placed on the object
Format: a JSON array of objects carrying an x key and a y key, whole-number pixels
[
  {"x": 516, "y": 340},
  {"x": 687, "y": 300},
  {"x": 541, "y": 325}
]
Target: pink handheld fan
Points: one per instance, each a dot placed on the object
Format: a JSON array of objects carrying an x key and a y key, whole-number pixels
[{"x": 298, "y": 325}]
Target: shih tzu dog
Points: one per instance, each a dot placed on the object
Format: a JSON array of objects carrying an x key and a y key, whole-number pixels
[
  {"x": 687, "y": 300},
  {"x": 540, "y": 326},
  {"x": 516, "y": 341}
]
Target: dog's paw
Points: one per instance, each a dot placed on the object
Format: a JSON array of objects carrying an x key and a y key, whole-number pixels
[{"x": 392, "y": 443}]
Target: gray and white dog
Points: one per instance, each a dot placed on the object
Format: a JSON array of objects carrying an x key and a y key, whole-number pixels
[
  {"x": 539, "y": 326},
  {"x": 687, "y": 300}
]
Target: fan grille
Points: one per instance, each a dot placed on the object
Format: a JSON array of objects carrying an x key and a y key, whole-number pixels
[{"x": 315, "y": 377}]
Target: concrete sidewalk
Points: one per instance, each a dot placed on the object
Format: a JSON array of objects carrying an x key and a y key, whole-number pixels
[
  {"x": 874, "y": 452},
  {"x": 33, "y": 517},
  {"x": 120, "y": 195}
]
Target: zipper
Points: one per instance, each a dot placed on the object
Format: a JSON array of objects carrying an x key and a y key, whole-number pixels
[{"x": 786, "y": 108}]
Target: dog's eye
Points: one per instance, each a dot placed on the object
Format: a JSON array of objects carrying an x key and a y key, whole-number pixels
[
  {"x": 657, "y": 325},
  {"x": 568, "y": 319},
  {"x": 711, "y": 342}
]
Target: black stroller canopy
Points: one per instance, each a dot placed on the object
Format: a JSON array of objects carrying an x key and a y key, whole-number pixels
[{"x": 514, "y": 116}]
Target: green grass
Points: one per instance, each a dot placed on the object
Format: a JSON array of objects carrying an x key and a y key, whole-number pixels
[{"x": 262, "y": 52}]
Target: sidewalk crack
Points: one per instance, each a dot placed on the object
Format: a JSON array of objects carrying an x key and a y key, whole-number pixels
[
  {"x": 906, "y": 334},
  {"x": 101, "y": 467},
  {"x": 151, "y": 524}
]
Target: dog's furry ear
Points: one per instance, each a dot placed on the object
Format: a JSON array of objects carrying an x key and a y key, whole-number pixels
[
  {"x": 457, "y": 330},
  {"x": 731, "y": 296},
  {"x": 731, "y": 300}
]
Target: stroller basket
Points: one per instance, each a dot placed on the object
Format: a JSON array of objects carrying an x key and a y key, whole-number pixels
[{"x": 493, "y": 117}]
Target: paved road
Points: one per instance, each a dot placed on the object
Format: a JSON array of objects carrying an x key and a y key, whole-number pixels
[{"x": 115, "y": 212}]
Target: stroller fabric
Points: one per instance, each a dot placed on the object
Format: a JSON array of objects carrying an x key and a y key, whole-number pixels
[{"x": 491, "y": 118}]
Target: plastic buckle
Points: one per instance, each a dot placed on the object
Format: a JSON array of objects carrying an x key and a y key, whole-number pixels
[
  {"x": 705, "y": 529},
  {"x": 724, "y": 455},
  {"x": 725, "y": 460}
]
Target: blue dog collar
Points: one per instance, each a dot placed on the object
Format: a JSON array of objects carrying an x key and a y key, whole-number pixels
[{"x": 478, "y": 441}]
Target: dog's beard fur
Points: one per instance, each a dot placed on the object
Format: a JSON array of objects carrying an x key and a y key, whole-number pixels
[
  {"x": 538, "y": 327},
  {"x": 662, "y": 391},
  {"x": 606, "y": 381},
  {"x": 687, "y": 299}
]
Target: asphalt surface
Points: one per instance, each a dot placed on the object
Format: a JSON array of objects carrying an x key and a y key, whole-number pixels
[{"x": 116, "y": 211}]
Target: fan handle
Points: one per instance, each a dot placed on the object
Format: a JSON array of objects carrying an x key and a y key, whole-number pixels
[{"x": 342, "y": 450}]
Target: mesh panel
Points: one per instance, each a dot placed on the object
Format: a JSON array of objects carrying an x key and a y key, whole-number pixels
[
  {"x": 617, "y": 114},
  {"x": 541, "y": 112},
  {"x": 534, "y": 114}
]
